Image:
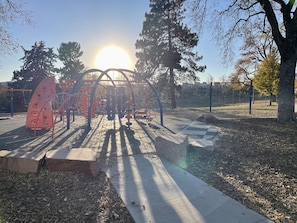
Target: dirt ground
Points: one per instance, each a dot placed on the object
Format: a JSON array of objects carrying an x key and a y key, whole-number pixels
[{"x": 254, "y": 162}]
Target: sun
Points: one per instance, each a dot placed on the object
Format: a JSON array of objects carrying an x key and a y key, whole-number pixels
[{"x": 113, "y": 57}]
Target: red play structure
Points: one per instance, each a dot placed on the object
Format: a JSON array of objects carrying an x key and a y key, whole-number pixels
[{"x": 40, "y": 113}]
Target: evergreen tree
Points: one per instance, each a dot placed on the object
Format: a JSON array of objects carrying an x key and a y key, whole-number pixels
[
  {"x": 165, "y": 48},
  {"x": 68, "y": 54},
  {"x": 267, "y": 77},
  {"x": 38, "y": 64}
]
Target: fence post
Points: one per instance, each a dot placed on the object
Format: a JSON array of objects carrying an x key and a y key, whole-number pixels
[
  {"x": 210, "y": 96},
  {"x": 11, "y": 102},
  {"x": 251, "y": 97}
]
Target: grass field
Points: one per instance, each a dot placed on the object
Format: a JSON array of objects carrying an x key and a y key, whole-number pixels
[
  {"x": 259, "y": 108},
  {"x": 217, "y": 101},
  {"x": 257, "y": 105}
]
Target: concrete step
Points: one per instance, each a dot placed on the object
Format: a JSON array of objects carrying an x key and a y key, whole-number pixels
[{"x": 82, "y": 160}]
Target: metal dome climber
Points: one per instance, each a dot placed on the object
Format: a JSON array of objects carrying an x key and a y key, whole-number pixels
[{"x": 112, "y": 89}]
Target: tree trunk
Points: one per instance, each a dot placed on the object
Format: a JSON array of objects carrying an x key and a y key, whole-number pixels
[
  {"x": 286, "y": 100},
  {"x": 172, "y": 89}
]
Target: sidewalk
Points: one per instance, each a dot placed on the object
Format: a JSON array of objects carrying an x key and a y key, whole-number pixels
[{"x": 156, "y": 190}]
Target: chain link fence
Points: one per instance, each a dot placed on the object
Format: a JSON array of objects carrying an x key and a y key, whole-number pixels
[{"x": 215, "y": 94}]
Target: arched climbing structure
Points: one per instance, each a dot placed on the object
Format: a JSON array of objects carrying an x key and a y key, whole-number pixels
[{"x": 124, "y": 72}]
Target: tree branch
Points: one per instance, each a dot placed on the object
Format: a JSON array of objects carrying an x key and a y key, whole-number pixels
[
  {"x": 267, "y": 7},
  {"x": 248, "y": 18},
  {"x": 229, "y": 8},
  {"x": 249, "y": 7}
]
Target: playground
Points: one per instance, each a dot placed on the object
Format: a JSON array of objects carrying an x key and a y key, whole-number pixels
[
  {"x": 97, "y": 104},
  {"x": 252, "y": 163}
]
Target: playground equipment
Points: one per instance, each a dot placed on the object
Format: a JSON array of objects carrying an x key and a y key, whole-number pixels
[
  {"x": 65, "y": 87},
  {"x": 145, "y": 111},
  {"x": 110, "y": 103},
  {"x": 129, "y": 111},
  {"x": 40, "y": 114},
  {"x": 85, "y": 101},
  {"x": 129, "y": 77},
  {"x": 115, "y": 102},
  {"x": 117, "y": 96}
]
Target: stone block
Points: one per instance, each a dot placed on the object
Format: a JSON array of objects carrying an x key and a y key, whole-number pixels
[
  {"x": 172, "y": 147},
  {"x": 20, "y": 161},
  {"x": 83, "y": 160},
  {"x": 208, "y": 118}
]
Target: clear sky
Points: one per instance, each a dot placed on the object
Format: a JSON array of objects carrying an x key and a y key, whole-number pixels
[{"x": 94, "y": 24}]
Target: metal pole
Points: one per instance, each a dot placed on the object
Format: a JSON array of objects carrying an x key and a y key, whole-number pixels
[
  {"x": 68, "y": 117},
  {"x": 210, "y": 96},
  {"x": 11, "y": 102},
  {"x": 251, "y": 97}
]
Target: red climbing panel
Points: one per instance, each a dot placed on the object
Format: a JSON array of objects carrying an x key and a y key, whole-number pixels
[{"x": 40, "y": 114}]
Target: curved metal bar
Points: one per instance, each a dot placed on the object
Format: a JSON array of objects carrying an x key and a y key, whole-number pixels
[
  {"x": 75, "y": 87},
  {"x": 93, "y": 94},
  {"x": 152, "y": 88},
  {"x": 80, "y": 76},
  {"x": 130, "y": 86}
]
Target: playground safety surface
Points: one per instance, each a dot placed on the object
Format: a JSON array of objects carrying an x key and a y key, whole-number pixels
[{"x": 153, "y": 189}]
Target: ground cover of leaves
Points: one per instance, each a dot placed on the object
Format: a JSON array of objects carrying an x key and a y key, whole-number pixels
[
  {"x": 254, "y": 162},
  {"x": 59, "y": 197}
]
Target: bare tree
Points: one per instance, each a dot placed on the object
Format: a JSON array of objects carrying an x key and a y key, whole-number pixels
[
  {"x": 11, "y": 11},
  {"x": 234, "y": 18},
  {"x": 258, "y": 44},
  {"x": 210, "y": 79}
]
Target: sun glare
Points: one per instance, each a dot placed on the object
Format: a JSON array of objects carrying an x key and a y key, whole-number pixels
[{"x": 113, "y": 57}]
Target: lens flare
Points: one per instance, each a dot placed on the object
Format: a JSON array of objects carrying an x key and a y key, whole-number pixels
[{"x": 113, "y": 57}]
